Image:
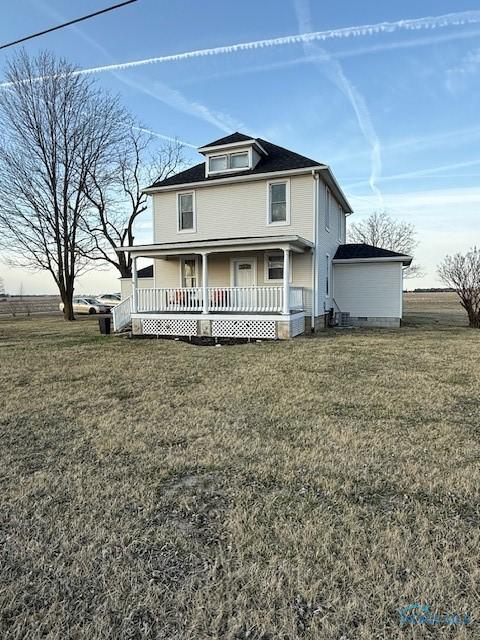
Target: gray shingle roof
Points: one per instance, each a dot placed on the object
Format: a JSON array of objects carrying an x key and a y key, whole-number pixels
[
  {"x": 146, "y": 272},
  {"x": 278, "y": 159},
  {"x": 364, "y": 251},
  {"x": 233, "y": 137}
]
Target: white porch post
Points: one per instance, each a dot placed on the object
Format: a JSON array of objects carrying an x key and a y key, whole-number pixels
[
  {"x": 134, "y": 285},
  {"x": 286, "y": 281},
  {"x": 205, "y": 282}
]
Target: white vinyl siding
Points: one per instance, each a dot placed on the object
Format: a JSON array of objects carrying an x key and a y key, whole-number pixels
[
  {"x": 328, "y": 206},
  {"x": 340, "y": 218},
  {"x": 236, "y": 210},
  {"x": 126, "y": 285},
  {"x": 327, "y": 244},
  {"x": 369, "y": 289}
]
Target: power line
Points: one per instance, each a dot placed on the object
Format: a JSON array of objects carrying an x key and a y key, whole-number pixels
[{"x": 66, "y": 24}]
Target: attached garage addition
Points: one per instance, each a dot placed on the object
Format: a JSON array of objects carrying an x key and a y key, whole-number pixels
[{"x": 368, "y": 284}]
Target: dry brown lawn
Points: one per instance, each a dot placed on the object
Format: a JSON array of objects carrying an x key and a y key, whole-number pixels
[{"x": 276, "y": 491}]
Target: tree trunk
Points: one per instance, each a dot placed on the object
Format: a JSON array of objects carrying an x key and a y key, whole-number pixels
[
  {"x": 125, "y": 265},
  {"x": 67, "y": 299},
  {"x": 125, "y": 271},
  {"x": 473, "y": 314},
  {"x": 474, "y": 320}
]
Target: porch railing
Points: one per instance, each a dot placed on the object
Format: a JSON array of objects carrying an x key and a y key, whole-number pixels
[
  {"x": 296, "y": 298},
  {"x": 122, "y": 314},
  {"x": 221, "y": 299},
  {"x": 171, "y": 299}
]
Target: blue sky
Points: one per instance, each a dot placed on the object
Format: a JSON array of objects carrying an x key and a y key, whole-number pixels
[{"x": 394, "y": 111}]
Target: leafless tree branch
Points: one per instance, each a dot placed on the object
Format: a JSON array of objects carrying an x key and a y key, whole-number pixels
[
  {"x": 381, "y": 230},
  {"x": 115, "y": 194},
  {"x": 56, "y": 133},
  {"x": 462, "y": 273}
]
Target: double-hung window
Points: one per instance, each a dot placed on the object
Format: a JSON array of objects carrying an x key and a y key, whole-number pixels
[
  {"x": 189, "y": 272},
  {"x": 278, "y": 203},
  {"x": 186, "y": 211},
  {"x": 274, "y": 267}
]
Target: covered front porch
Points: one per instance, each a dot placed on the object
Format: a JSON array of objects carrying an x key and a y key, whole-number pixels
[{"x": 261, "y": 299}]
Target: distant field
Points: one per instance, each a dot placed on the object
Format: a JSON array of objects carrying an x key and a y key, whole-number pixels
[
  {"x": 433, "y": 308},
  {"x": 297, "y": 490},
  {"x": 25, "y": 305}
]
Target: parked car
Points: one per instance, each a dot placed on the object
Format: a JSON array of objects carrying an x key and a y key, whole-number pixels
[
  {"x": 87, "y": 305},
  {"x": 110, "y": 299}
]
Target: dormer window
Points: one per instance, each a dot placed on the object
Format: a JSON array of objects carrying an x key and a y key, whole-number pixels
[
  {"x": 239, "y": 160},
  {"x": 218, "y": 163},
  {"x": 229, "y": 162}
]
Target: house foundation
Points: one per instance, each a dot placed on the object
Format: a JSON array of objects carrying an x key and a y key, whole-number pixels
[{"x": 220, "y": 326}]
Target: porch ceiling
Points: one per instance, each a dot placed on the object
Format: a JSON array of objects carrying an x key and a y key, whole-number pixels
[{"x": 293, "y": 242}]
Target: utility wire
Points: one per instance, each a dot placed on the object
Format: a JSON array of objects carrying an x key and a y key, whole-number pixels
[{"x": 66, "y": 24}]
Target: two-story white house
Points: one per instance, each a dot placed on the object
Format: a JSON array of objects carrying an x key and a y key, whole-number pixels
[{"x": 251, "y": 243}]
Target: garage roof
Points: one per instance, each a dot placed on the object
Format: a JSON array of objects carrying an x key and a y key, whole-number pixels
[{"x": 369, "y": 253}]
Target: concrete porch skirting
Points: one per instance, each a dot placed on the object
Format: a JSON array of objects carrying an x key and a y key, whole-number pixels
[
  {"x": 321, "y": 323},
  {"x": 273, "y": 327},
  {"x": 387, "y": 323}
]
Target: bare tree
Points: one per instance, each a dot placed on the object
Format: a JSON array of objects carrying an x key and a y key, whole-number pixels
[
  {"x": 57, "y": 130},
  {"x": 462, "y": 273},
  {"x": 116, "y": 194},
  {"x": 2, "y": 288},
  {"x": 381, "y": 230}
]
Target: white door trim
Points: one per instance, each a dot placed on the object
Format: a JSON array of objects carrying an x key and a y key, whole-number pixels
[{"x": 234, "y": 260}]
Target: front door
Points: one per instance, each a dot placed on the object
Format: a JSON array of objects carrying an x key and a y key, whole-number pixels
[{"x": 244, "y": 272}]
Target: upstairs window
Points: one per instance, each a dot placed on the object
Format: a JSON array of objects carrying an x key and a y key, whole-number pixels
[
  {"x": 229, "y": 162},
  {"x": 278, "y": 203},
  {"x": 186, "y": 212}
]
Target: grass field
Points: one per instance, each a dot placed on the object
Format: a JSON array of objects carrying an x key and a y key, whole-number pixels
[{"x": 301, "y": 489}]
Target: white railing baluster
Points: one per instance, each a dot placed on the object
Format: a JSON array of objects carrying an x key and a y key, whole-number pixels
[
  {"x": 122, "y": 314},
  {"x": 220, "y": 299}
]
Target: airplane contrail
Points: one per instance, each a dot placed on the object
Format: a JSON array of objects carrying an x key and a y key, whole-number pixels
[
  {"x": 430, "y": 22},
  {"x": 334, "y": 71},
  {"x": 164, "y": 137}
]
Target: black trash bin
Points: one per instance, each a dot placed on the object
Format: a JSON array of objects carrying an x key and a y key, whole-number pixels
[{"x": 105, "y": 324}]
